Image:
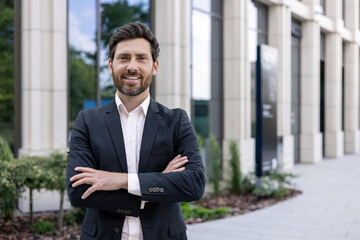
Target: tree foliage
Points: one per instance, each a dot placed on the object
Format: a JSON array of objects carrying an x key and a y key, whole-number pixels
[
  {"x": 236, "y": 180},
  {"x": 215, "y": 157},
  {"x": 118, "y": 13},
  {"x": 6, "y": 61},
  {"x": 82, "y": 81}
]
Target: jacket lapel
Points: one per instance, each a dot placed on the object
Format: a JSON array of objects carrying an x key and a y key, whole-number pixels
[
  {"x": 150, "y": 128},
  {"x": 113, "y": 123}
]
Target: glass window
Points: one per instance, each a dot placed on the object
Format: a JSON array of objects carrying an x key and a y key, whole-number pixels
[
  {"x": 7, "y": 72},
  {"x": 82, "y": 55},
  {"x": 207, "y": 68},
  {"x": 204, "y": 5},
  {"x": 83, "y": 47},
  {"x": 114, "y": 14},
  {"x": 322, "y": 4},
  {"x": 258, "y": 34}
]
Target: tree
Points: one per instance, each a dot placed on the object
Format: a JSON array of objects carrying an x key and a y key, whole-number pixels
[
  {"x": 82, "y": 80},
  {"x": 56, "y": 180},
  {"x": 6, "y": 69},
  {"x": 116, "y": 14}
]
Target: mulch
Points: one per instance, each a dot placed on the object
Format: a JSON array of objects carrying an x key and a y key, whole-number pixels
[
  {"x": 19, "y": 227},
  {"x": 240, "y": 204}
]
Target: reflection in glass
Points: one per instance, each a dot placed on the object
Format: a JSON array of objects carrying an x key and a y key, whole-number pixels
[
  {"x": 7, "y": 72},
  {"x": 83, "y": 50},
  {"x": 207, "y": 68},
  {"x": 114, "y": 14},
  {"x": 258, "y": 34},
  {"x": 204, "y": 5},
  {"x": 201, "y": 55},
  {"x": 82, "y": 55}
]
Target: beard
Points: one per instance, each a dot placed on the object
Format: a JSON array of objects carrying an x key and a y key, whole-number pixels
[{"x": 132, "y": 90}]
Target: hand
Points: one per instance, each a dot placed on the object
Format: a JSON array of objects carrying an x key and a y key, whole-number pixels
[
  {"x": 175, "y": 164},
  {"x": 100, "y": 180}
]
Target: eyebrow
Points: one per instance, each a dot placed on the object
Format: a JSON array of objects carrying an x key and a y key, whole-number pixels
[{"x": 137, "y": 55}]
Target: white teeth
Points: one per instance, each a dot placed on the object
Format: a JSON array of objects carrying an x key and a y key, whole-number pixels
[{"x": 132, "y": 78}]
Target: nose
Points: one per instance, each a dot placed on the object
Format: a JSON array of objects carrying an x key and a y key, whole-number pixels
[{"x": 132, "y": 66}]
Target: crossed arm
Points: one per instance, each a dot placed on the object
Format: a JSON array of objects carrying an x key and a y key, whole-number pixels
[
  {"x": 111, "y": 181},
  {"x": 99, "y": 189}
]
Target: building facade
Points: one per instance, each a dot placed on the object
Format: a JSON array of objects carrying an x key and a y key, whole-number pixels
[{"x": 207, "y": 67}]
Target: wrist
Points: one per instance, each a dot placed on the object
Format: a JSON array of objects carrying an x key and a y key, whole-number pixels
[{"x": 123, "y": 181}]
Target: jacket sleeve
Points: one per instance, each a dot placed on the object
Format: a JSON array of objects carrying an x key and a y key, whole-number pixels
[
  {"x": 183, "y": 186},
  {"x": 81, "y": 154}
]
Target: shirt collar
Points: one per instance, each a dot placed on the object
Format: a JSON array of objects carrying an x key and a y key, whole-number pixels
[{"x": 144, "y": 105}]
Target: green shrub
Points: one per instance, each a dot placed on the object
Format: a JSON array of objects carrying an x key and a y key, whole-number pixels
[
  {"x": 200, "y": 142},
  {"x": 215, "y": 157},
  {"x": 6, "y": 154},
  {"x": 275, "y": 185},
  {"x": 236, "y": 186},
  {"x": 190, "y": 210},
  {"x": 69, "y": 219},
  {"x": 10, "y": 181},
  {"x": 42, "y": 227}
]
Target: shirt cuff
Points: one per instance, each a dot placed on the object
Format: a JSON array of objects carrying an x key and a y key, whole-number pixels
[{"x": 134, "y": 184}]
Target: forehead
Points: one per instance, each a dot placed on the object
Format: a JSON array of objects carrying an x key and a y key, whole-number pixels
[{"x": 133, "y": 46}]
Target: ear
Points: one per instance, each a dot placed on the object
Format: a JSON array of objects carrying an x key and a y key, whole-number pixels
[
  {"x": 110, "y": 66},
  {"x": 155, "y": 68}
]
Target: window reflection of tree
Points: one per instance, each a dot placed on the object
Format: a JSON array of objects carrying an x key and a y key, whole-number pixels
[
  {"x": 114, "y": 15},
  {"x": 83, "y": 64},
  {"x": 7, "y": 71}
]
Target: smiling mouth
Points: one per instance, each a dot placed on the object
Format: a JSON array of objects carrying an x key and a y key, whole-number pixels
[{"x": 132, "y": 77}]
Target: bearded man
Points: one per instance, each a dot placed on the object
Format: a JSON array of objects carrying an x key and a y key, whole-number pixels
[{"x": 133, "y": 160}]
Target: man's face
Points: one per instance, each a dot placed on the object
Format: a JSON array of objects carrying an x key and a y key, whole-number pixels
[{"x": 132, "y": 67}]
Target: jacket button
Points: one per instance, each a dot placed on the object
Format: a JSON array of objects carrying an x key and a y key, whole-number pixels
[
  {"x": 150, "y": 189},
  {"x": 116, "y": 230},
  {"x": 161, "y": 190},
  {"x": 157, "y": 189}
]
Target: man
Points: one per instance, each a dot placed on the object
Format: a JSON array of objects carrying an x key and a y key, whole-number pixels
[{"x": 133, "y": 160}]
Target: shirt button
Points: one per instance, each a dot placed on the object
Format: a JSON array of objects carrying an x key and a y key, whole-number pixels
[
  {"x": 116, "y": 230},
  {"x": 132, "y": 238},
  {"x": 131, "y": 141},
  {"x": 130, "y": 165}
]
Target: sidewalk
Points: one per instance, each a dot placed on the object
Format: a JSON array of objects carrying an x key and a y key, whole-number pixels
[{"x": 328, "y": 209}]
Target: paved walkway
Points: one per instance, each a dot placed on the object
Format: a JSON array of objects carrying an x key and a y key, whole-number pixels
[{"x": 328, "y": 209}]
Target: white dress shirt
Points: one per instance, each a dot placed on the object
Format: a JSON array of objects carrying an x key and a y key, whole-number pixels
[{"x": 132, "y": 124}]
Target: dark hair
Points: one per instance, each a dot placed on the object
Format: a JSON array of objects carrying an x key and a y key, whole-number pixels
[{"x": 133, "y": 31}]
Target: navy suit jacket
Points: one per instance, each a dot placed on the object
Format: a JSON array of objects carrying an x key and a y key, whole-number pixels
[{"x": 97, "y": 142}]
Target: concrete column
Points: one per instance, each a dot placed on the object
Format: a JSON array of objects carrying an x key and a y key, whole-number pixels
[
  {"x": 44, "y": 76},
  {"x": 310, "y": 136},
  {"x": 280, "y": 38},
  {"x": 44, "y": 88},
  {"x": 237, "y": 91},
  {"x": 172, "y": 29},
  {"x": 334, "y": 136},
  {"x": 352, "y": 142}
]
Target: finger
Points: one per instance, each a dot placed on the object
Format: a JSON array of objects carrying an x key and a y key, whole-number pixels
[
  {"x": 88, "y": 192},
  {"x": 83, "y": 181},
  {"x": 178, "y": 156},
  {"x": 178, "y": 160},
  {"x": 79, "y": 176},
  {"x": 179, "y": 164},
  {"x": 179, "y": 169},
  {"x": 85, "y": 169}
]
